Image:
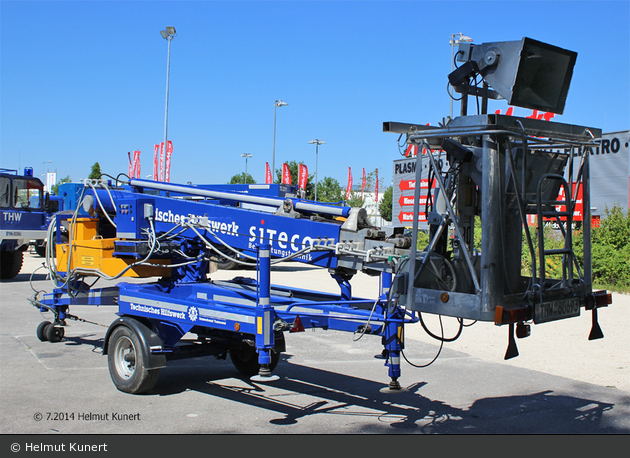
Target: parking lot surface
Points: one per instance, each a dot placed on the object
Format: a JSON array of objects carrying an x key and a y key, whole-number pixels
[{"x": 330, "y": 382}]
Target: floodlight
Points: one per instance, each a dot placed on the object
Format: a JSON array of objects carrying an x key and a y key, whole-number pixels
[{"x": 527, "y": 73}]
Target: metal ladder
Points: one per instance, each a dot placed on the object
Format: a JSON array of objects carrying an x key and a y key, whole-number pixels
[{"x": 548, "y": 209}]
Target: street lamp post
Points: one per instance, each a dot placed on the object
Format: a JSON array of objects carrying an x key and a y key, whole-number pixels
[
  {"x": 246, "y": 156},
  {"x": 316, "y": 142},
  {"x": 168, "y": 35},
  {"x": 462, "y": 39},
  {"x": 45, "y": 173},
  {"x": 277, "y": 103},
  {"x": 44, "y": 166}
]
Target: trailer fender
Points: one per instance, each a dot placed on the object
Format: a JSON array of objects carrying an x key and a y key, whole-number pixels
[{"x": 148, "y": 339}]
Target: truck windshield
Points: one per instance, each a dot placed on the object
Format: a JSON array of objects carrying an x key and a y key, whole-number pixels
[
  {"x": 5, "y": 192},
  {"x": 27, "y": 194}
]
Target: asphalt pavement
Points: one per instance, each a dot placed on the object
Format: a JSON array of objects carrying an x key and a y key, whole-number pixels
[{"x": 330, "y": 382}]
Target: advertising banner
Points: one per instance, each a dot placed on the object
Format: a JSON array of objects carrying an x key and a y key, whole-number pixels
[
  {"x": 403, "y": 192},
  {"x": 132, "y": 172},
  {"x": 156, "y": 162},
  {"x": 363, "y": 183},
  {"x": 169, "y": 153},
  {"x": 610, "y": 173},
  {"x": 349, "y": 188},
  {"x": 303, "y": 176},
  {"x": 136, "y": 163},
  {"x": 286, "y": 174}
]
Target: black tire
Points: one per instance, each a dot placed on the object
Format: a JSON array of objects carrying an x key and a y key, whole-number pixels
[
  {"x": 245, "y": 359},
  {"x": 126, "y": 363},
  {"x": 41, "y": 330},
  {"x": 10, "y": 263},
  {"x": 224, "y": 263},
  {"x": 54, "y": 333},
  {"x": 41, "y": 249}
]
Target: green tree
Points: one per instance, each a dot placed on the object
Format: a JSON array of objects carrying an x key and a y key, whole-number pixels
[
  {"x": 96, "y": 173},
  {"x": 329, "y": 190},
  {"x": 355, "y": 199},
  {"x": 55, "y": 187},
  {"x": 242, "y": 178},
  {"x": 385, "y": 207}
]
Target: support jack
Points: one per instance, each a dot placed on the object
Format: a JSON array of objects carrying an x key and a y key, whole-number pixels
[
  {"x": 394, "y": 387},
  {"x": 264, "y": 375},
  {"x": 596, "y": 331},
  {"x": 512, "y": 350}
]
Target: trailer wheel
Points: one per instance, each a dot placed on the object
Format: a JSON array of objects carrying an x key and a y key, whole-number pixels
[
  {"x": 54, "y": 333},
  {"x": 126, "y": 363},
  {"x": 41, "y": 330},
  {"x": 245, "y": 359},
  {"x": 10, "y": 263}
]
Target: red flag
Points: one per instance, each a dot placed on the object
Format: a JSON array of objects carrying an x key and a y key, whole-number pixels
[
  {"x": 349, "y": 189},
  {"x": 169, "y": 153},
  {"x": 268, "y": 178},
  {"x": 156, "y": 162},
  {"x": 303, "y": 176},
  {"x": 136, "y": 163},
  {"x": 131, "y": 170},
  {"x": 376, "y": 188},
  {"x": 286, "y": 174},
  {"x": 363, "y": 183},
  {"x": 161, "y": 161}
]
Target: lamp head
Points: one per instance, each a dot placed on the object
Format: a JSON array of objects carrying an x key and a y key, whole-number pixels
[{"x": 526, "y": 73}]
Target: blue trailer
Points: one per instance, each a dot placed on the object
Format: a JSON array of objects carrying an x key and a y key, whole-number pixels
[{"x": 501, "y": 170}]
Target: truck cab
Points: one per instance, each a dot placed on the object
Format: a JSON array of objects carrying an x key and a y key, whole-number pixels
[{"x": 22, "y": 218}]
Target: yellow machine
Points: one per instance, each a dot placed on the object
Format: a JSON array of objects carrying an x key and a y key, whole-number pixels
[{"x": 88, "y": 251}]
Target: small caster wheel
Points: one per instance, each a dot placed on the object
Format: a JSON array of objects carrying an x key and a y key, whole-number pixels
[
  {"x": 54, "y": 333},
  {"x": 42, "y": 330}
]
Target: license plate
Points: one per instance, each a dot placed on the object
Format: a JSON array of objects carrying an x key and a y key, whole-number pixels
[{"x": 556, "y": 310}]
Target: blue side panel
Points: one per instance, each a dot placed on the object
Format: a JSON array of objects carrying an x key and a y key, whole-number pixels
[
  {"x": 71, "y": 193},
  {"x": 187, "y": 305},
  {"x": 237, "y": 227},
  {"x": 21, "y": 220}
]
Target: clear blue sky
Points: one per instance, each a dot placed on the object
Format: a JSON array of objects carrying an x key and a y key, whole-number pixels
[{"x": 85, "y": 81}]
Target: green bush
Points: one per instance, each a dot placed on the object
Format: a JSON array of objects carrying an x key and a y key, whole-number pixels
[{"x": 611, "y": 250}]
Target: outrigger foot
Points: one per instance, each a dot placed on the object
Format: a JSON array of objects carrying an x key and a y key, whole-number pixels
[
  {"x": 264, "y": 375},
  {"x": 394, "y": 387}
]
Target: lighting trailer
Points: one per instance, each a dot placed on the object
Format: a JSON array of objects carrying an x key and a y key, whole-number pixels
[{"x": 503, "y": 171}]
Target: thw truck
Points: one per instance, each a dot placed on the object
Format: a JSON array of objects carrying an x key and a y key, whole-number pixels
[{"x": 22, "y": 218}]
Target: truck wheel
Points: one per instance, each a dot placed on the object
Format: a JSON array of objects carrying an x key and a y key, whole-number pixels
[
  {"x": 54, "y": 333},
  {"x": 41, "y": 250},
  {"x": 41, "y": 330},
  {"x": 10, "y": 264},
  {"x": 245, "y": 359},
  {"x": 126, "y": 363}
]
